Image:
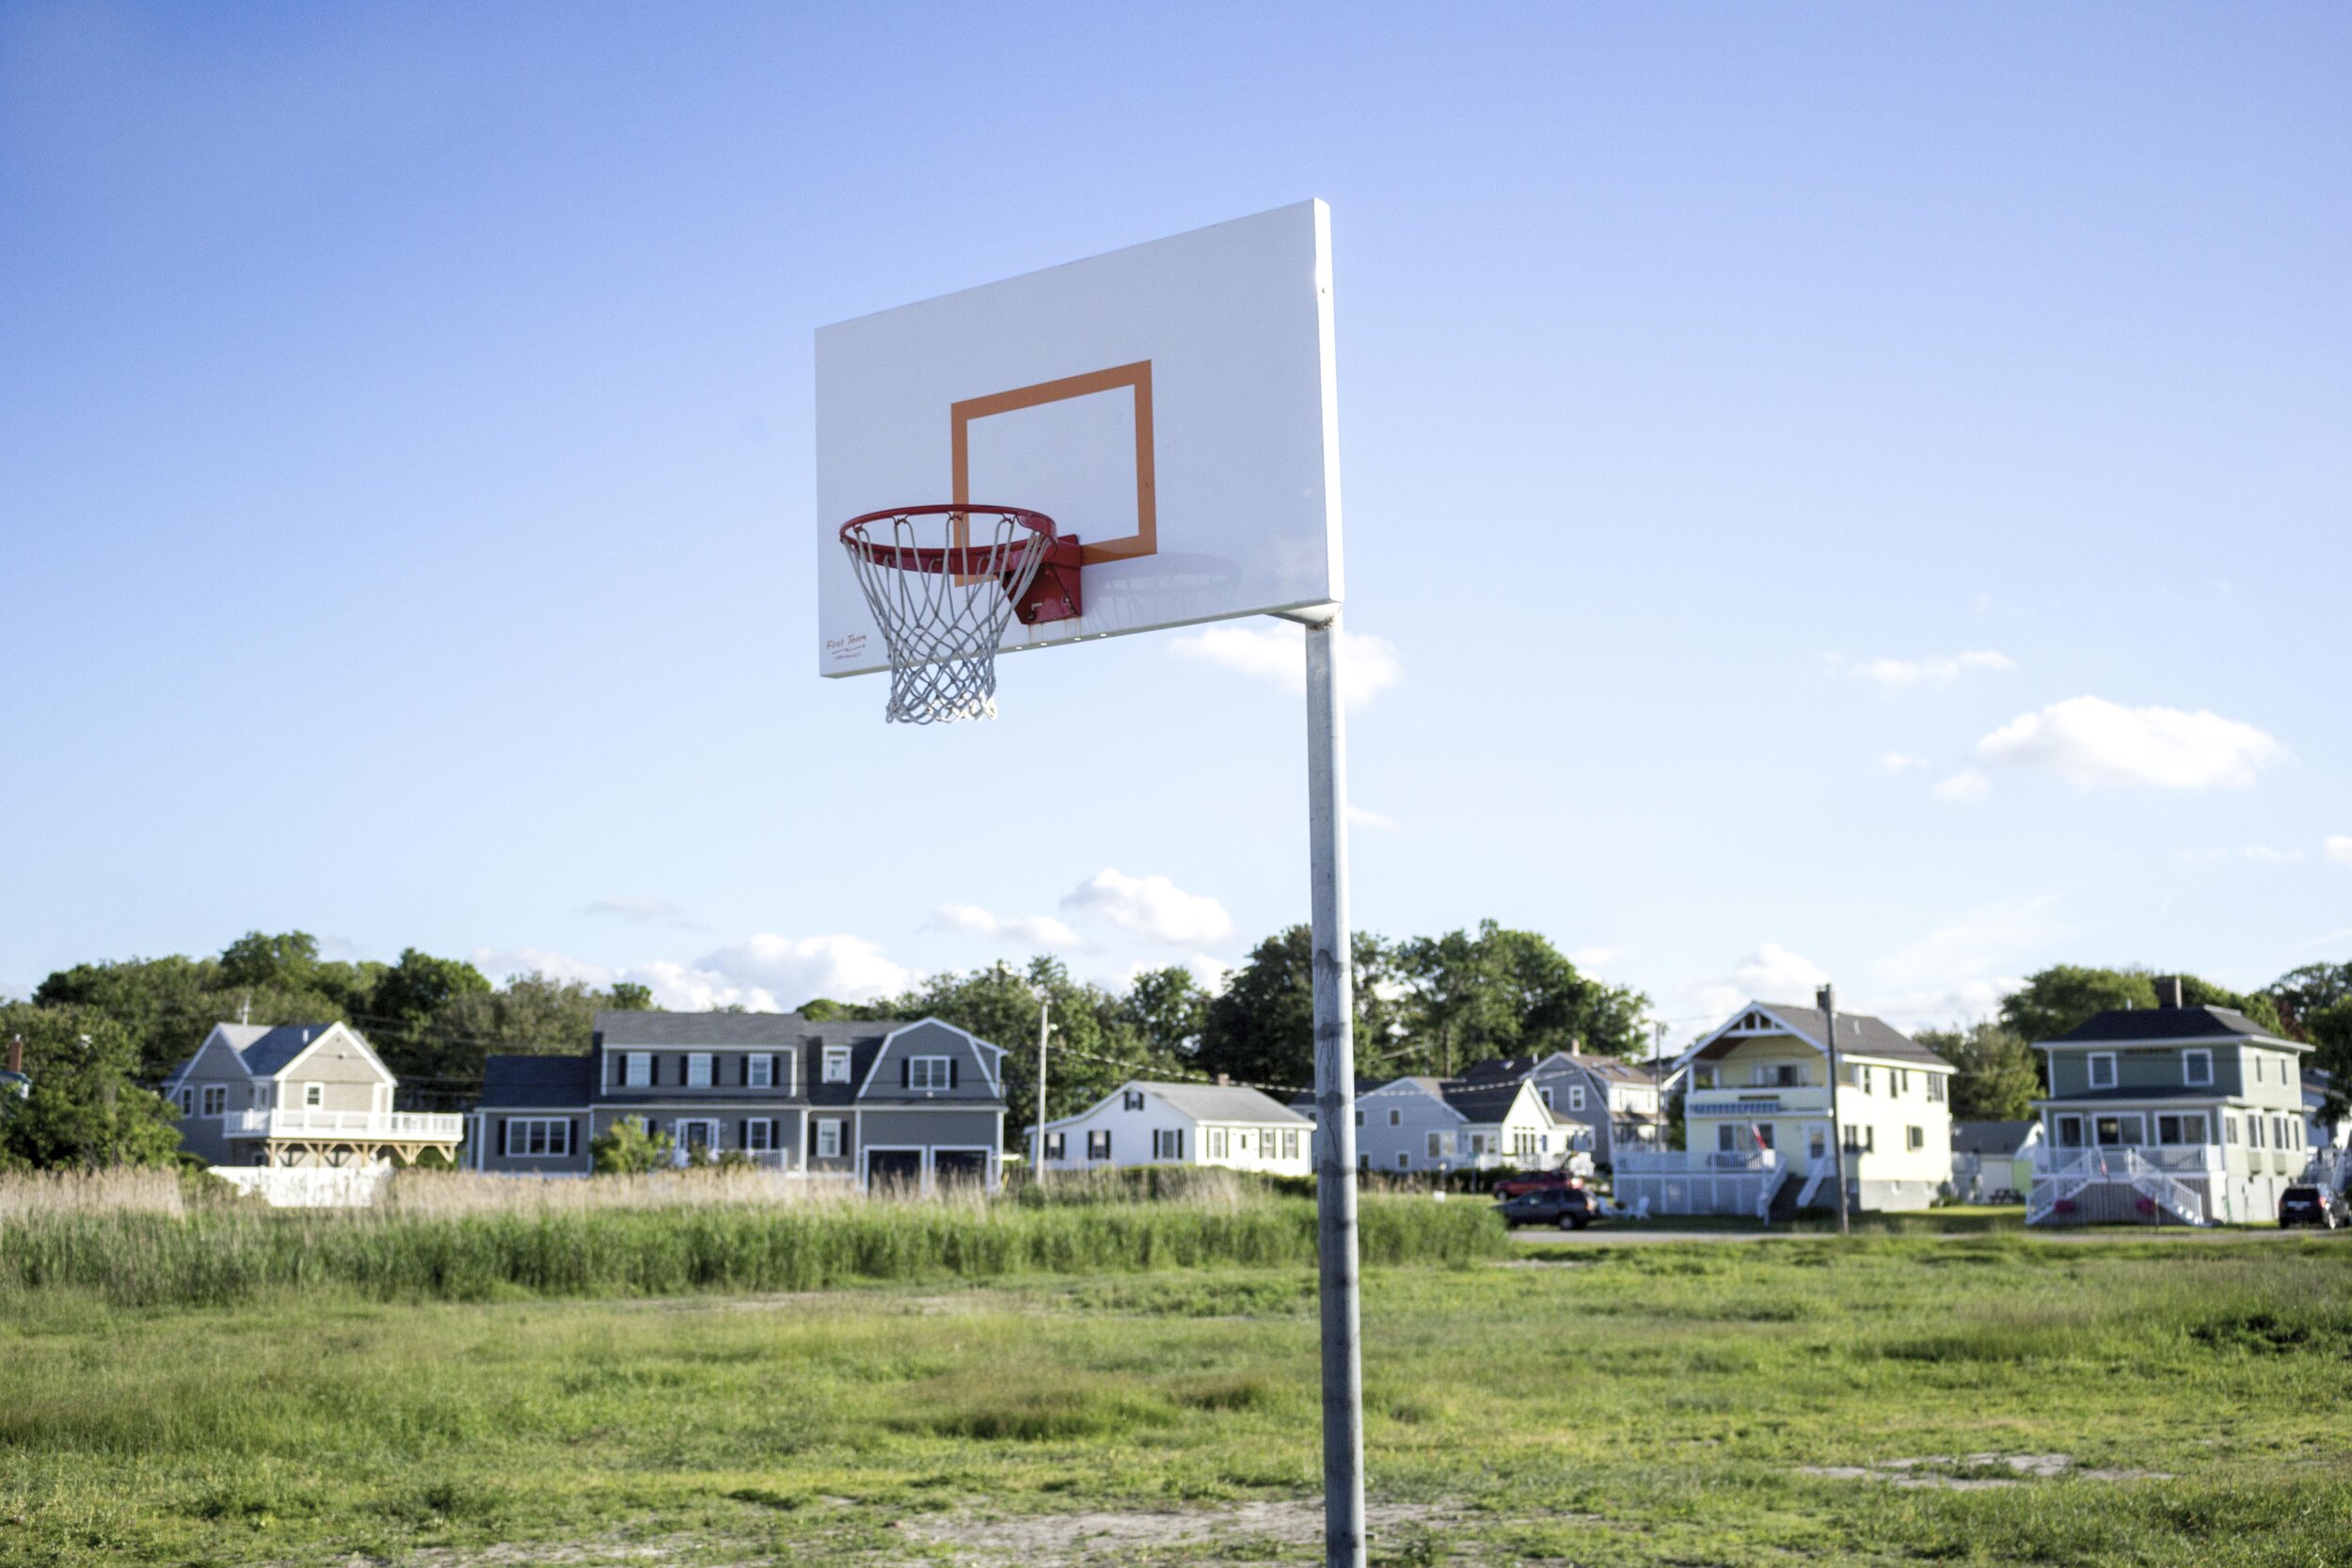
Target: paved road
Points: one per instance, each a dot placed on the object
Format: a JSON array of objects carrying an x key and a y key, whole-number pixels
[{"x": 1609, "y": 1235}]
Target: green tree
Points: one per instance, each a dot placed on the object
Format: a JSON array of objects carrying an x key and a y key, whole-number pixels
[
  {"x": 1996, "y": 1076},
  {"x": 532, "y": 1015},
  {"x": 624, "y": 1148},
  {"x": 1260, "y": 1028},
  {"x": 407, "y": 995},
  {"x": 1503, "y": 993},
  {"x": 2300, "y": 993},
  {"x": 85, "y": 1110},
  {"x": 1167, "y": 1009},
  {"x": 628, "y": 996},
  {"x": 2331, "y": 1029}
]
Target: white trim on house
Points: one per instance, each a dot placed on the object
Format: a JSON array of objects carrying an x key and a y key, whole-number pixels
[
  {"x": 992, "y": 1072},
  {"x": 355, "y": 1037},
  {"x": 215, "y": 1037},
  {"x": 865, "y": 1153}
]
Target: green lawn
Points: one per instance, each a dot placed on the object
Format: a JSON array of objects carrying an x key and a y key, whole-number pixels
[{"x": 1627, "y": 1405}]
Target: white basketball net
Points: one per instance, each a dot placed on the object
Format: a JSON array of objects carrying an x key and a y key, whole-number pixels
[{"x": 941, "y": 627}]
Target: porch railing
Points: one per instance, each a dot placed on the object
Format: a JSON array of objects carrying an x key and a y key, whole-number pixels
[{"x": 313, "y": 1122}]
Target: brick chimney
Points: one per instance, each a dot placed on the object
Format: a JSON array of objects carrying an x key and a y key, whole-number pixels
[{"x": 2168, "y": 990}]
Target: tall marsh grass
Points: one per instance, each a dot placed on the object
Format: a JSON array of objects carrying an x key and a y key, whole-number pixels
[{"x": 456, "y": 1237}]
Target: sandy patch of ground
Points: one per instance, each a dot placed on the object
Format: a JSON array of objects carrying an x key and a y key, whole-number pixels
[
  {"x": 1973, "y": 1472},
  {"x": 1089, "y": 1540}
]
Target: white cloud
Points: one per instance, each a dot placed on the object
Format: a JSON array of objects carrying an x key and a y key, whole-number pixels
[
  {"x": 1962, "y": 968},
  {"x": 2090, "y": 741},
  {"x": 1364, "y": 816},
  {"x": 1895, "y": 762},
  {"x": 1770, "y": 974},
  {"x": 1039, "y": 931},
  {"x": 846, "y": 968},
  {"x": 1275, "y": 652},
  {"x": 645, "y": 912},
  {"x": 2339, "y": 849},
  {"x": 1965, "y": 787},
  {"x": 1897, "y": 674},
  {"x": 2243, "y": 853},
  {"x": 1150, "y": 907}
]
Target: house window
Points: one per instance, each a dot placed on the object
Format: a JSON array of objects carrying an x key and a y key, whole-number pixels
[
  {"x": 187, "y": 1101},
  {"x": 538, "y": 1137},
  {"x": 215, "y": 1099},
  {"x": 2196, "y": 1067},
  {"x": 759, "y": 1136},
  {"x": 1817, "y": 1142},
  {"x": 1099, "y": 1144},
  {"x": 2228, "y": 1130},
  {"x": 828, "y": 1139},
  {"x": 2258, "y": 1065},
  {"x": 1054, "y": 1144},
  {"x": 2253, "y": 1132},
  {"x": 1935, "y": 1088},
  {"x": 1481, "y": 1143},
  {"x": 699, "y": 1069},
  {"x": 1290, "y": 1143},
  {"x": 2103, "y": 1070},
  {"x": 1131, "y": 1101},
  {"x": 2070, "y": 1133},
  {"x": 1360, "y": 1118},
  {"x": 636, "y": 1070},
  {"x": 2193, "y": 1129},
  {"x": 1168, "y": 1142},
  {"x": 1396, "y": 1118},
  {"x": 759, "y": 1071},
  {"x": 928, "y": 1072},
  {"x": 1727, "y": 1138},
  {"x": 692, "y": 1132},
  {"x": 1436, "y": 1145},
  {"x": 1404, "y": 1161},
  {"x": 313, "y": 1096},
  {"x": 837, "y": 1064},
  {"x": 1914, "y": 1138},
  {"x": 1861, "y": 1140},
  {"x": 1216, "y": 1143},
  {"x": 1544, "y": 1094},
  {"x": 1899, "y": 1080},
  {"x": 2107, "y": 1132},
  {"x": 1576, "y": 1097}
]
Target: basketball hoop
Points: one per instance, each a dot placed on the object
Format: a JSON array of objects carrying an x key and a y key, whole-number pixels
[{"x": 942, "y": 597}]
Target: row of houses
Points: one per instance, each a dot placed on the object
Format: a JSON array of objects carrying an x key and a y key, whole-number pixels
[{"x": 2187, "y": 1114}]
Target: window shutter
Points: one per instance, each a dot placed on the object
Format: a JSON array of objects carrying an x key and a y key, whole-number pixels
[
  {"x": 952, "y": 1065},
  {"x": 743, "y": 1128},
  {"x": 501, "y": 1139},
  {"x": 775, "y": 1073},
  {"x": 654, "y": 1063},
  {"x": 906, "y": 1068}
]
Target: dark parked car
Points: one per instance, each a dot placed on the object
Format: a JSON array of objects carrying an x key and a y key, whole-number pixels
[
  {"x": 2309, "y": 1205},
  {"x": 1536, "y": 1181},
  {"x": 1569, "y": 1208}
]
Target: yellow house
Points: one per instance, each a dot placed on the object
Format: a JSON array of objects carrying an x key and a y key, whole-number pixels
[{"x": 1759, "y": 1116}]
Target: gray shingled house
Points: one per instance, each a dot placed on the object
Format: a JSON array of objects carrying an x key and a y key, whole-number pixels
[
  {"x": 298, "y": 1094},
  {"x": 907, "y": 1104}
]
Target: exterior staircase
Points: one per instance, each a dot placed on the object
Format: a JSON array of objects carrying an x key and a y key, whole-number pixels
[
  {"x": 2060, "y": 1184},
  {"x": 2182, "y": 1202}
]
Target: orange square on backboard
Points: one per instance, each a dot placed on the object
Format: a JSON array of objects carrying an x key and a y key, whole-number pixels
[{"x": 1136, "y": 377}]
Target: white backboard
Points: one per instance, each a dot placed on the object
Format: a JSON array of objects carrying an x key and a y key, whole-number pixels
[{"x": 1171, "y": 404}]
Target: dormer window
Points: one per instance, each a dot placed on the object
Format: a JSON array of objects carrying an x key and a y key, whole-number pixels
[
  {"x": 699, "y": 1069},
  {"x": 837, "y": 1064},
  {"x": 2197, "y": 1068},
  {"x": 930, "y": 1072},
  {"x": 636, "y": 1070},
  {"x": 1131, "y": 1101},
  {"x": 2103, "y": 1070}
]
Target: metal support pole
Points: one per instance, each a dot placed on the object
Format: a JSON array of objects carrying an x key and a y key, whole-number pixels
[
  {"x": 1826, "y": 998},
  {"x": 1335, "y": 1106}
]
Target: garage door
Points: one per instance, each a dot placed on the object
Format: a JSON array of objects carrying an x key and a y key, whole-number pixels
[
  {"x": 899, "y": 1168},
  {"x": 960, "y": 1166}
]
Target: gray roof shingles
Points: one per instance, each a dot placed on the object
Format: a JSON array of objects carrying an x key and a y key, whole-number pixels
[
  {"x": 538, "y": 1083},
  {"x": 1858, "y": 1034},
  {"x": 2163, "y": 1023},
  {"x": 1223, "y": 1102}
]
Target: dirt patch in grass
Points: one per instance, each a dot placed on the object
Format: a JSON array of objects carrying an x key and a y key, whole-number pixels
[
  {"x": 1240, "y": 1534},
  {"x": 1973, "y": 1472}
]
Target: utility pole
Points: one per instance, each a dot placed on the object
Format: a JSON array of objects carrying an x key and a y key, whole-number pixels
[
  {"x": 1044, "y": 1027},
  {"x": 1826, "y": 999},
  {"x": 1657, "y": 1076}
]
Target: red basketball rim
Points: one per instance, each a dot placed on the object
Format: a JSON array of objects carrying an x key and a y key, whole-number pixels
[{"x": 962, "y": 560}]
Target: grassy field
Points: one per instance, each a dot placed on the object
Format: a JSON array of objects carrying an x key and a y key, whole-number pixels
[{"x": 1889, "y": 1400}]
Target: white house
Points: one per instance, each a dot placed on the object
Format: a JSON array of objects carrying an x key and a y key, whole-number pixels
[
  {"x": 1143, "y": 1123},
  {"x": 1438, "y": 1124}
]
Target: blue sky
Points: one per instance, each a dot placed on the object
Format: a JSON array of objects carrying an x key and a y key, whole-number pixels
[{"x": 1849, "y": 490}]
